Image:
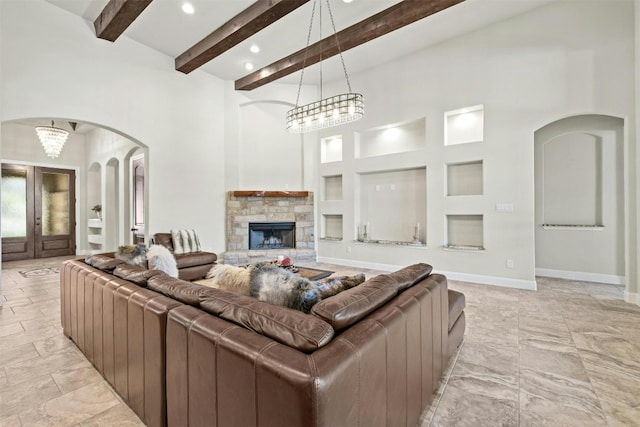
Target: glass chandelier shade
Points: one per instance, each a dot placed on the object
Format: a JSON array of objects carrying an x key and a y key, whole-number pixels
[
  {"x": 52, "y": 139},
  {"x": 328, "y": 112},
  {"x": 337, "y": 110}
]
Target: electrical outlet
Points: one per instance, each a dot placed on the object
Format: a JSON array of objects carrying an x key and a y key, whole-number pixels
[
  {"x": 509, "y": 263},
  {"x": 348, "y": 249}
]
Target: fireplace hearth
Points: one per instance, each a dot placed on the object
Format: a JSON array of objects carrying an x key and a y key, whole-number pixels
[{"x": 272, "y": 235}]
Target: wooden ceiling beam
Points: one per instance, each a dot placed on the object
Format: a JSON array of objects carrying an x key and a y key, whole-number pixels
[
  {"x": 256, "y": 17},
  {"x": 116, "y": 16},
  {"x": 397, "y": 16}
]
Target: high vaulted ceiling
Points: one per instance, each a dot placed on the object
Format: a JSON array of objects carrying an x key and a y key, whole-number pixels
[{"x": 163, "y": 26}]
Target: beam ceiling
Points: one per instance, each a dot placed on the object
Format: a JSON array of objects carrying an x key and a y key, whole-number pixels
[
  {"x": 397, "y": 16},
  {"x": 116, "y": 16},
  {"x": 256, "y": 17}
]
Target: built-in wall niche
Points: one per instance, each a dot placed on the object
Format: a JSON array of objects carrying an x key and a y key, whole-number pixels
[
  {"x": 465, "y": 232},
  {"x": 464, "y": 125},
  {"x": 332, "y": 187},
  {"x": 573, "y": 199},
  {"x": 464, "y": 179},
  {"x": 331, "y": 149},
  {"x": 332, "y": 227},
  {"x": 391, "y": 139},
  {"x": 393, "y": 206}
]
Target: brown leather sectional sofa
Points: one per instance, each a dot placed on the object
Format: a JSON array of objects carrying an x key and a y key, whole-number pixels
[{"x": 181, "y": 354}]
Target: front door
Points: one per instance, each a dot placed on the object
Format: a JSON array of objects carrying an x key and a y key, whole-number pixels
[{"x": 38, "y": 212}]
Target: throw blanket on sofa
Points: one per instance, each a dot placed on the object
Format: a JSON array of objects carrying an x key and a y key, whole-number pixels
[
  {"x": 185, "y": 241},
  {"x": 269, "y": 283}
]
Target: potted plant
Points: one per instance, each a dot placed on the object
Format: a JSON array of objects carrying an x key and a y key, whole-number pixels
[{"x": 98, "y": 210}]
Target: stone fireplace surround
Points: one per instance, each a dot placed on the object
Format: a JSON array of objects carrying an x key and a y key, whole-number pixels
[{"x": 244, "y": 207}]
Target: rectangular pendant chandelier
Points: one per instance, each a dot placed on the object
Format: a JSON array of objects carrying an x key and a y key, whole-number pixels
[{"x": 328, "y": 112}]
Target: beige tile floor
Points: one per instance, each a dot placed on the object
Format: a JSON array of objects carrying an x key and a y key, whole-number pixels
[{"x": 566, "y": 355}]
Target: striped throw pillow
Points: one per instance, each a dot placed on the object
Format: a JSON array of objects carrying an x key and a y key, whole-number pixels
[{"x": 185, "y": 241}]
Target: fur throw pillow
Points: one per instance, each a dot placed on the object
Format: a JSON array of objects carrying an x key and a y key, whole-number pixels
[
  {"x": 132, "y": 254},
  {"x": 269, "y": 283},
  {"x": 160, "y": 258},
  {"x": 230, "y": 278}
]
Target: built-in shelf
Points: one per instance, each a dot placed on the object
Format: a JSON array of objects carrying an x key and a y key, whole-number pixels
[
  {"x": 331, "y": 149},
  {"x": 464, "y": 179},
  {"x": 97, "y": 239},
  {"x": 573, "y": 227},
  {"x": 392, "y": 204},
  {"x": 260, "y": 193},
  {"x": 94, "y": 223},
  {"x": 460, "y": 248},
  {"x": 465, "y": 232},
  {"x": 332, "y": 227},
  {"x": 391, "y": 139},
  {"x": 464, "y": 125},
  {"x": 332, "y": 187},
  {"x": 392, "y": 243}
]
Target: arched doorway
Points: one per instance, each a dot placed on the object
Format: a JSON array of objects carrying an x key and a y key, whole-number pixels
[{"x": 579, "y": 199}]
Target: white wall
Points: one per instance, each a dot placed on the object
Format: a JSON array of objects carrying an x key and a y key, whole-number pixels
[
  {"x": 563, "y": 59},
  {"x": 259, "y": 153},
  {"x": 54, "y": 66}
]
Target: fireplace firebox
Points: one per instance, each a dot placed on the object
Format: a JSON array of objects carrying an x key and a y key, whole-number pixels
[{"x": 272, "y": 235}]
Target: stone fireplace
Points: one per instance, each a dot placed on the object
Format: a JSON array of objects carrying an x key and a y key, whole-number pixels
[{"x": 264, "y": 224}]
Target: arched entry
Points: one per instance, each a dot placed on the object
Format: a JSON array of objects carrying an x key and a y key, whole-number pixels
[
  {"x": 579, "y": 199},
  {"x": 100, "y": 156}
]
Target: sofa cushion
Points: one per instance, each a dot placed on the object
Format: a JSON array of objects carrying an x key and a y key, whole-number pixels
[
  {"x": 457, "y": 303},
  {"x": 289, "y": 327},
  {"x": 411, "y": 275},
  {"x": 185, "y": 241},
  {"x": 164, "y": 239},
  {"x": 103, "y": 262},
  {"x": 183, "y": 291},
  {"x": 194, "y": 259},
  {"x": 135, "y": 274},
  {"x": 348, "y": 307}
]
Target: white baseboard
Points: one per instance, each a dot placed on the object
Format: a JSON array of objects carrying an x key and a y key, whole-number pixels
[
  {"x": 581, "y": 276},
  {"x": 632, "y": 297},
  {"x": 360, "y": 264},
  {"x": 463, "y": 277}
]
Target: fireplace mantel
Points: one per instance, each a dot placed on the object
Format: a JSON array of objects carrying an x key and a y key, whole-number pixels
[{"x": 260, "y": 193}]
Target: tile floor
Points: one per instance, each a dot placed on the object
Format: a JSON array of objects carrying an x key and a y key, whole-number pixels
[{"x": 566, "y": 355}]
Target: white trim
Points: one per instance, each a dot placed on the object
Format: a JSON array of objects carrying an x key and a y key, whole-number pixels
[
  {"x": 463, "y": 277},
  {"x": 505, "y": 282},
  {"x": 582, "y": 276},
  {"x": 632, "y": 297},
  {"x": 360, "y": 264}
]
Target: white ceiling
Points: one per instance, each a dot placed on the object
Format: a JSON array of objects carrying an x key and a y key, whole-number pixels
[{"x": 164, "y": 27}]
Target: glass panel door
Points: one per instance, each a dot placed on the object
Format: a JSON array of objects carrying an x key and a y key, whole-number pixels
[
  {"x": 17, "y": 212},
  {"x": 54, "y": 210}
]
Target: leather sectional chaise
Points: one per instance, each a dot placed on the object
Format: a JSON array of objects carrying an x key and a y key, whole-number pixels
[{"x": 182, "y": 354}]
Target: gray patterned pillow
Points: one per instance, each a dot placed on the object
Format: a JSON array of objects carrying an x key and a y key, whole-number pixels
[{"x": 185, "y": 241}]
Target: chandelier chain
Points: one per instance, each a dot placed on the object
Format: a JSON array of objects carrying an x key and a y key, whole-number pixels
[
  {"x": 335, "y": 34},
  {"x": 304, "y": 59}
]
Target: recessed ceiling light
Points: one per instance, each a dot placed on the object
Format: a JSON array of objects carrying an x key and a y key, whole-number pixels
[
  {"x": 347, "y": 1},
  {"x": 188, "y": 8},
  {"x": 248, "y": 66},
  {"x": 254, "y": 48}
]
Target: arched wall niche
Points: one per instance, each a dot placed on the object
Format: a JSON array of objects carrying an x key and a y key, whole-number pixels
[{"x": 579, "y": 199}]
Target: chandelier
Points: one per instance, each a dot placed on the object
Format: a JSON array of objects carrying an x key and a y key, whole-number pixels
[
  {"x": 52, "y": 139},
  {"x": 328, "y": 112}
]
